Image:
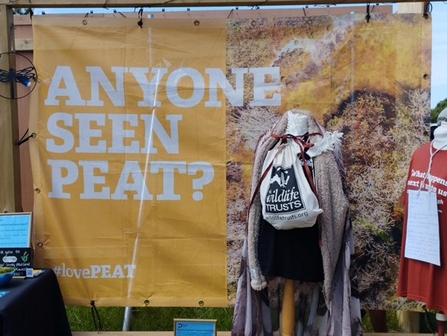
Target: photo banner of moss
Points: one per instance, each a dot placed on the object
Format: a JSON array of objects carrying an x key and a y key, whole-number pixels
[{"x": 368, "y": 80}]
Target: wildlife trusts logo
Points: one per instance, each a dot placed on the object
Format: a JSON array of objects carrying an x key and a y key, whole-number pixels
[{"x": 283, "y": 195}]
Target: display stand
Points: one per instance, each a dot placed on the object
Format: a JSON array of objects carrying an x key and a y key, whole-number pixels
[
  {"x": 288, "y": 308},
  {"x": 441, "y": 320}
]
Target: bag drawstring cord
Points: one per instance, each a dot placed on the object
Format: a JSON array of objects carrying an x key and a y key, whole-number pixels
[{"x": 302, "y": 144}]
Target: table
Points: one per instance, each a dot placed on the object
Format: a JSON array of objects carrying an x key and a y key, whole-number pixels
[{"x": 33, "y": 306}]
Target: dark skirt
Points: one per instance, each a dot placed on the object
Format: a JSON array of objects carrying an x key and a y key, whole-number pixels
[{"x": 292, "y": 254}]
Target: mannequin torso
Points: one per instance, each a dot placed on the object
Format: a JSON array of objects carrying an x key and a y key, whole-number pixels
[{"x": 418, "y": 280}]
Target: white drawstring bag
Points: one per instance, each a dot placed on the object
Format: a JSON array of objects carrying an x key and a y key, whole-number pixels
[{"x": 288, "y": 200}]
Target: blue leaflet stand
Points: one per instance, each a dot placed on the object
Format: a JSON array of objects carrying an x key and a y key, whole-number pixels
[
  {"x": 191, "y": 327},
  {"x": 15, "y": 241}
]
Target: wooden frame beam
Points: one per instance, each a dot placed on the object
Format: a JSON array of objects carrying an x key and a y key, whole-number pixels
[
  {"x": 10, "y": 186},
  {"x": 174, "y": 3}
]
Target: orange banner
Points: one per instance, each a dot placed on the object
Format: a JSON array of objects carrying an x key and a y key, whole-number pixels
[{"x": 131, "y": 167}]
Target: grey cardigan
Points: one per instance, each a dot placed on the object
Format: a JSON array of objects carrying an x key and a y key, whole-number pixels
[{"x": 333, "y": 201}]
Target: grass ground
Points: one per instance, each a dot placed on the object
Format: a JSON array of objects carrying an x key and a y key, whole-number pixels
[
  {"x": 161, "y": 318},
  {"x": 144, "y": 319}
]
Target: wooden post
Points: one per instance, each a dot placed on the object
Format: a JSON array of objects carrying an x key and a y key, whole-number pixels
[
  {"x": 10, "y": 187},
  {"x": 288, "y": 308}
]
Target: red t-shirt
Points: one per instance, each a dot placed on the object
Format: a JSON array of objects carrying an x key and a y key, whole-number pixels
[{"x": 418, "y": 280}]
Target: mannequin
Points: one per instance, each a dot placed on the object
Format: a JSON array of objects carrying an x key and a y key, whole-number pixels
[
  {"x": 323, "y": 292},
  {"x": 292, "y": 255},
  {"x": 419, "y": 280},
  {"x": 440, "y": 143}
]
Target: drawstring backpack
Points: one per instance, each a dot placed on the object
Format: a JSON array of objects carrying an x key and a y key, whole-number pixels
[{"x": 288, "y": 195}]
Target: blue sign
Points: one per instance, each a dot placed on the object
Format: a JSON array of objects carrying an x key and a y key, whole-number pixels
[
  {"x": 15, "y": 229},
  {"x": 194, "y": 327}
]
